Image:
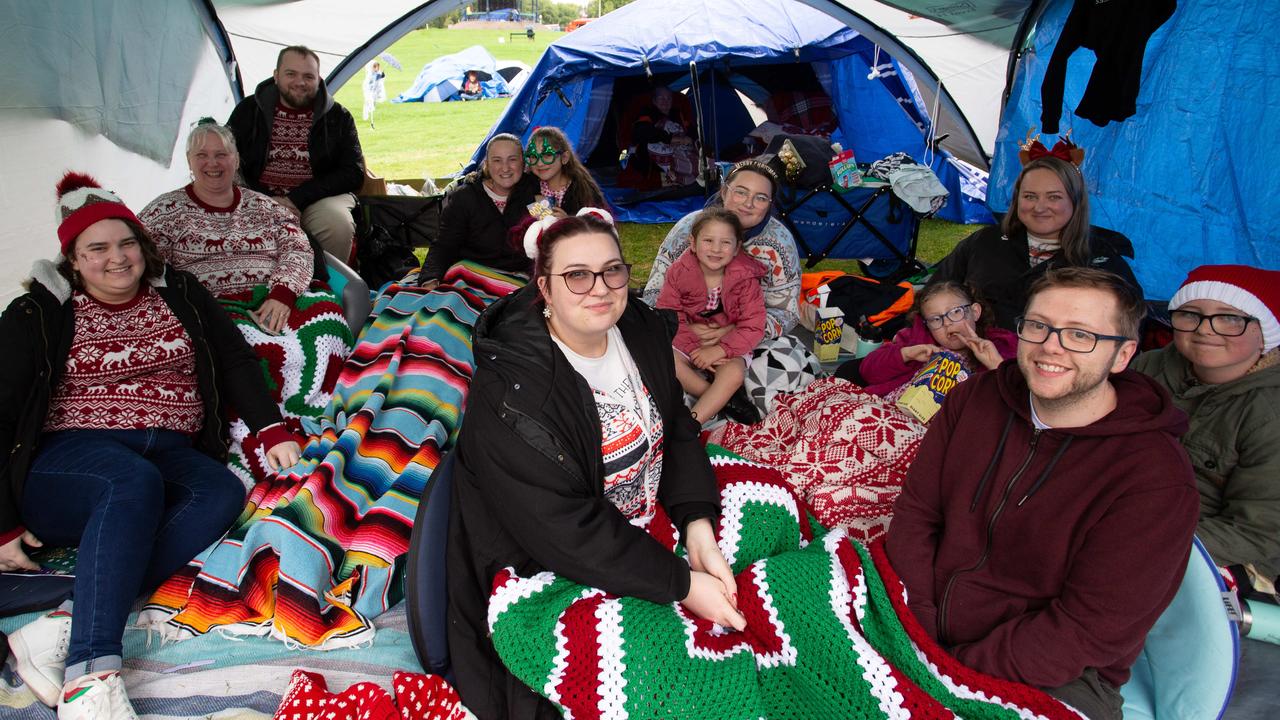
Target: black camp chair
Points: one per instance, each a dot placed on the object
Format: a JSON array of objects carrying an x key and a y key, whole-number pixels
[
  {"x": 867, "y": 223},
  {"x": 426, "y": 589}
]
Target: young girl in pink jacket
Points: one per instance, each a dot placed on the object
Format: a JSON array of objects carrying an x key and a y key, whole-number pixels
[{"x": 713, "y": 286}]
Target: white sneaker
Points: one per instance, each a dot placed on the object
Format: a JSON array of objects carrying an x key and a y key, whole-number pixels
[
  {"x": 40, "y": 654},
  {"x": 96, "y": 697}
]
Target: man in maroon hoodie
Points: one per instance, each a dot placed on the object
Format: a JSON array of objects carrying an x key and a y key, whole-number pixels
[{"x": 1047, "y": 521}]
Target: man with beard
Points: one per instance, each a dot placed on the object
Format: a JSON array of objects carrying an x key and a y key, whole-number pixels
[
  {"x": 1047, "y": 521},
  {"x": 299, "y": 146}
]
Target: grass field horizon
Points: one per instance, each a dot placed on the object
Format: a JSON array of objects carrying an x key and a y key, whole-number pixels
[{"x": 432, "y": 140}]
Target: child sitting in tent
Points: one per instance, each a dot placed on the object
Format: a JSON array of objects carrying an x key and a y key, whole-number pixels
[
  {"x": 847, "y": 450},
  {"x": 713, "y": 280},
  {"x": 657, "y": 130}
]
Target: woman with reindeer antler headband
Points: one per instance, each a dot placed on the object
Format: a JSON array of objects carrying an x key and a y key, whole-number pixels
[{"x": 1047, "y": 226}]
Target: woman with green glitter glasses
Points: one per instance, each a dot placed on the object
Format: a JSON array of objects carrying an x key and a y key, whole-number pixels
[{"x": 563, "y": 180}]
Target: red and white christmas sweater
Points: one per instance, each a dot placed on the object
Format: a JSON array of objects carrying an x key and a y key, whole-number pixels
[
  {"x": 131, "y": 366},
  {"x": 254, "y": 241},
  {"x": 288, "y": 154}
]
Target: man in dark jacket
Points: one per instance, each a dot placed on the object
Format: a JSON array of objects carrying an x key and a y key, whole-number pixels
[
  {"x": 1047, "y": 521},
  {"x": 299, "y": 146}
]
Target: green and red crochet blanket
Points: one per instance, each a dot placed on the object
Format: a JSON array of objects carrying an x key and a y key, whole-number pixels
[{"x": 828, "y": 632}]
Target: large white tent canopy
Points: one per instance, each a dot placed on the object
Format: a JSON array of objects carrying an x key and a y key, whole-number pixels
[{"x": 110, "y": 88}]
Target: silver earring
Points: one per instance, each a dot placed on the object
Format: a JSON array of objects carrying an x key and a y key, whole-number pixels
[{"x": 546, "y": 313}]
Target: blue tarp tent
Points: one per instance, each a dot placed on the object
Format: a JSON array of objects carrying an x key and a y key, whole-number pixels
[
  {"x": 440, "y": 79},
  {"x": 1193, "y": 176},
  {"x": 754, "y": 46}
]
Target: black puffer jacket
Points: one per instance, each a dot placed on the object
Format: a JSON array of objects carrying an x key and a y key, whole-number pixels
[
  {"x": 38, "y": 328},
  {"x": 529, "y": 492},
  {"x": 999, "y": 267},
  {"x": 337, "y": 164},
  {"x": 471, "y": 228}
]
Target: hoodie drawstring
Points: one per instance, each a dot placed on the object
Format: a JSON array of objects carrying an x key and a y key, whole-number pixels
[
  {"x": 1062, "y": 449},
  {"x": 995, "y": 459}
]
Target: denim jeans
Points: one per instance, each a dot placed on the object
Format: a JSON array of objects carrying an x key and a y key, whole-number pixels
[{"x": 139, "y": 504}]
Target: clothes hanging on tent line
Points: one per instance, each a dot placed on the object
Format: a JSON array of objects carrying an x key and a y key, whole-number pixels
[{"x": 1118, "y": 33}]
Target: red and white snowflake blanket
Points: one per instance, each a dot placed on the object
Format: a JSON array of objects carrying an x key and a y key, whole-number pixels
[
  {"x": 828, "y": 634},
  {"x": 844, "y": 450}
]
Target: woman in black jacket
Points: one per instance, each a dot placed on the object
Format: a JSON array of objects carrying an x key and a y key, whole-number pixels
[
  {"x": 480, "y": 212},
  {"x": 116, "y": 371},
  {"x": 566, "y": 368},
  {"x": 1046, "y": 227}
]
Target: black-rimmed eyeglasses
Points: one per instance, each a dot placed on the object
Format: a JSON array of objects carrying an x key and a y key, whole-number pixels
[
  {"x": 955, "y": 315},
  {"x": 1225, "y": 324},
  {"x": 1072, "y": 339},
  {"x": 580, "y": 282}
]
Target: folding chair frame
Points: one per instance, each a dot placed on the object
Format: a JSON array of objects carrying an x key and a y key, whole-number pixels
[{"x": 906, "y": 262}]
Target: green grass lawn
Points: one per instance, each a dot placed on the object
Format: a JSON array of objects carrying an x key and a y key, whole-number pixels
[{"x": 416, "y": 140}]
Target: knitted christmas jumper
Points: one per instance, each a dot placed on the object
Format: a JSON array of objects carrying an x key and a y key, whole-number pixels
[
  {"x": 289, "y": 154},
  {"x": 254, "y": 241},
  {"x": 829, "y": 634},
  {"x": 130, "y": 366}
]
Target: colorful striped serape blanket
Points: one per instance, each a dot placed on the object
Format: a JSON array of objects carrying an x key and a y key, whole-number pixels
[
  {"x": 828, "y": 632},
  {"x": 301, "y": 365},
  {"x": 320, "y": 549}
]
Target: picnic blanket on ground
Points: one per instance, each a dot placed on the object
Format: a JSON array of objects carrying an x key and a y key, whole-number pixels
[
  {"x": 301, "y": 365},
  {"x": 319, "y": 549},
  {"x": 828, "y": 632},
  {"x": 843, "y": 450},
  {"x": 225, "y": 677}
]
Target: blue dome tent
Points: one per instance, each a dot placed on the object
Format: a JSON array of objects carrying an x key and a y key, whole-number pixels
[
  {"x": 724, "y": 51},
  {"x": 441, "y": 79}
]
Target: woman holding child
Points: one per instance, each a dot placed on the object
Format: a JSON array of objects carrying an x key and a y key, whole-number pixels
[
  {"x": 118, "y": 373},
  {"x": 713, "y": 281},
  {"x": 575, "y": 383},
  {"x": 1223, "y": 369}
]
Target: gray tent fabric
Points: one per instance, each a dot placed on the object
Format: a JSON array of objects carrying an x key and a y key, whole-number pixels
[{"x": 120, "y": 70}]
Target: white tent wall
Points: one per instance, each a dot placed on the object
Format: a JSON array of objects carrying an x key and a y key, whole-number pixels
[
  {"x": 38, "y": 147},
  {"x": 968, "y": 55}
]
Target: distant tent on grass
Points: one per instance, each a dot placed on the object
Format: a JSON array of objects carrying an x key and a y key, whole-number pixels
[{"x": 442, "y": 78}]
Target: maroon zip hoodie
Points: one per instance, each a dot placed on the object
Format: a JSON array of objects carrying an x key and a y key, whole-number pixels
[{"x": 1032, "y": 555}]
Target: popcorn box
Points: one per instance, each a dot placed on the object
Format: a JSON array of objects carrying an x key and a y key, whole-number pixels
[
  {"x": 844, "y": 171},
  {"x": 827, "y": 331},
  {"x": 930, "y": 386}
]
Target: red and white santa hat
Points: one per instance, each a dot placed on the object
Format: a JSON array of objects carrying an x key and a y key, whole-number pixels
[
  {"x": 83, "y": 202},
  {"x": 1250, "y": 290}
]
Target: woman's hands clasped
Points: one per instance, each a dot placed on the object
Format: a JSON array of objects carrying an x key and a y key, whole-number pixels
[{"x": 713, "y": 592}]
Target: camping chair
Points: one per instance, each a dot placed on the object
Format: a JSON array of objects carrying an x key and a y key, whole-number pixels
[
  {"x": 352, "y": 290},
  {"x": 426, "y": 589},
  {"x": 1187, "y": 667},
  {"x": 868, "y": 223}
]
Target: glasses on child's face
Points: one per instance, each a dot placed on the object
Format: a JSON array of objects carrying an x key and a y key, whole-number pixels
[
  {"x": 745, "y": 197},
  {"x": 580, "y": 282},
  {"x": 955, "y": 315},
  {"x": 546, "y": 157},
  {"x": 1225, "y": 324},
  {"x": 1073, "y": 339}
]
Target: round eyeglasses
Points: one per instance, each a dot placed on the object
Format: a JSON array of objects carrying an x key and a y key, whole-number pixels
[
  {"x": 580, "y": 282},
  {"x": 955, "y": 315},
  {"x": 1072, "y": 339},
  {"x": 744, "y": 195},
  {"x": 1225, "y": 324}
]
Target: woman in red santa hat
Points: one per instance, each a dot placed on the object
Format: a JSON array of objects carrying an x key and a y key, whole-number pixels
[{"x": 113, "y": 394}]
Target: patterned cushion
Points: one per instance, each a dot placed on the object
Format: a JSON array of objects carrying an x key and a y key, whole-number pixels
[{"x": 781, "y": 365}]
